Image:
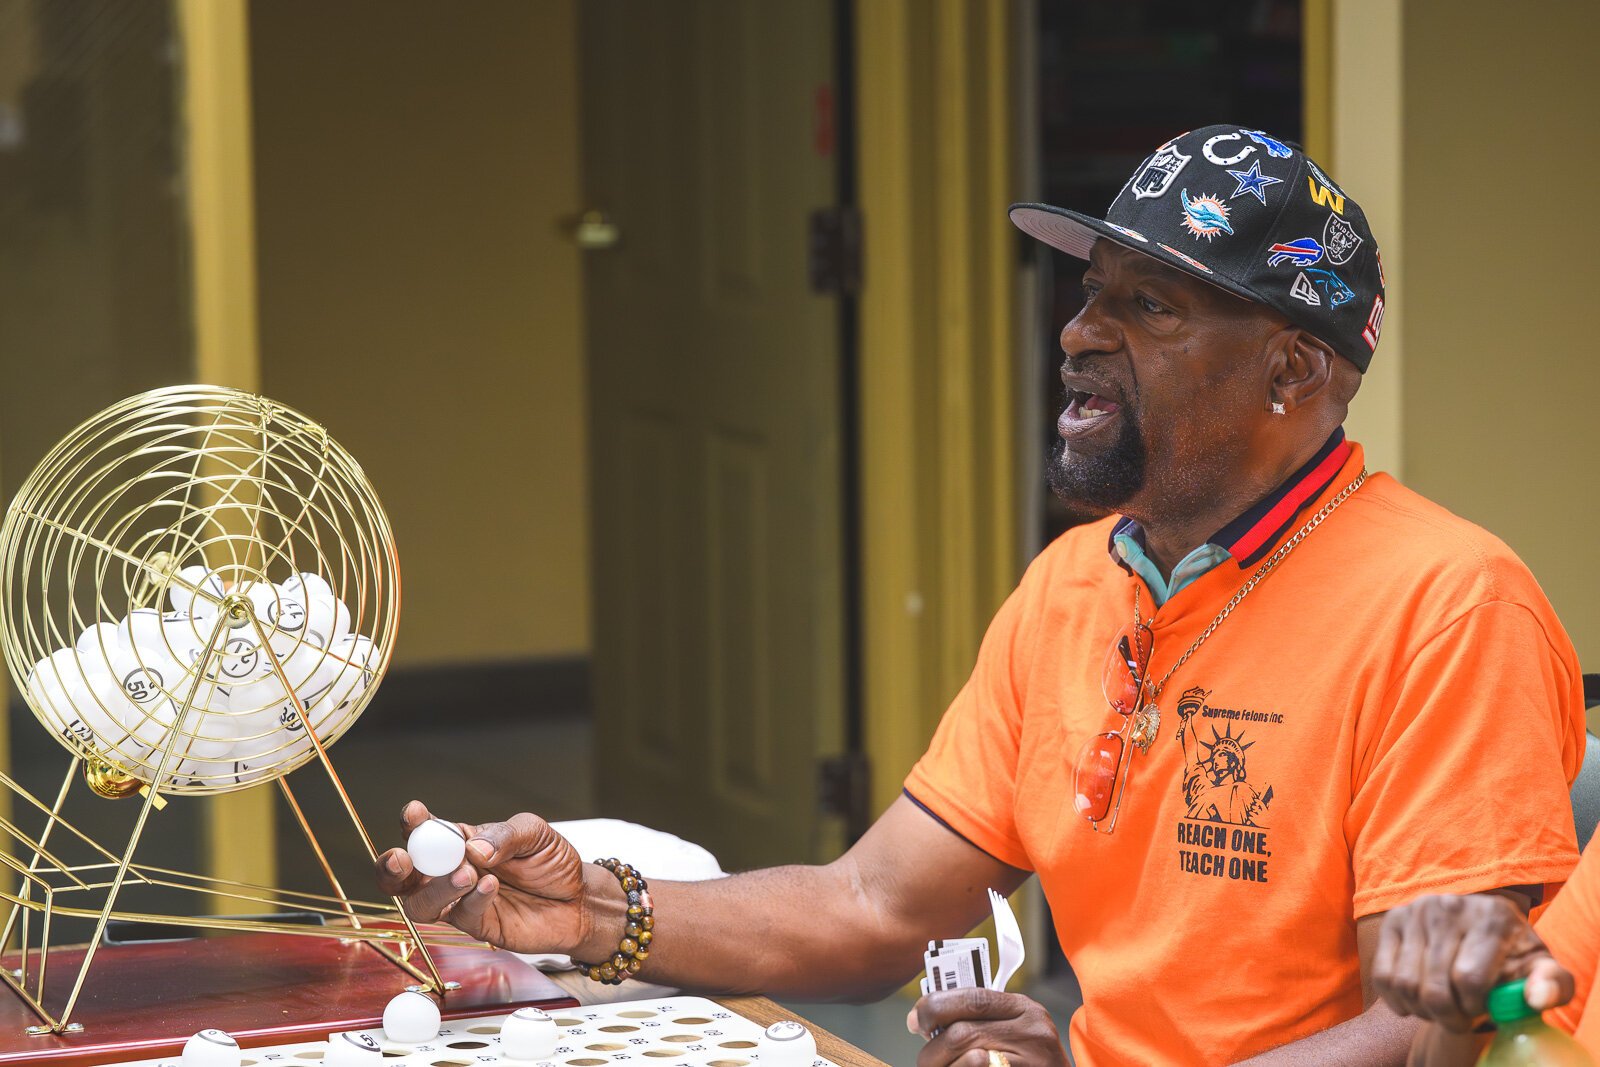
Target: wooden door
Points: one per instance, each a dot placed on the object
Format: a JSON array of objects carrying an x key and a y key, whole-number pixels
[{"x": 715, "y": 421}]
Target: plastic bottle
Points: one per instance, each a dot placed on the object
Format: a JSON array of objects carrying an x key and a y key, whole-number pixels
[{"x": 1523, "y": 1039}]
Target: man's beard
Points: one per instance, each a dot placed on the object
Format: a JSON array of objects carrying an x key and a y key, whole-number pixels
[{"x": 1104, "y": 481}]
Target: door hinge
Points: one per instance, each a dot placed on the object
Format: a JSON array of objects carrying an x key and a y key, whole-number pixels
[
  {"x": 833, "y": 251},
  {"x": 842, "y": 789}
]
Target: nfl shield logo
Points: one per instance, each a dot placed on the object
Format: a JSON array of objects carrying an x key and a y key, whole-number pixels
[
  {"x": 1339, "y": 240},
  {"x": 1156, "y": 177}
]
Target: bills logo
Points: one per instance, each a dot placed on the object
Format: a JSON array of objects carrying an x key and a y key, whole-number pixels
[
  {"x": 1301, "y": 252},
  {"x": 1205, "y": 216},
  {"x": 1195, "y": 263},
  {"x": 1340, "y": 239},
  {"x": 1374, "y": 323},
  {"x": 1302, "y": 289},
  {"x": 1158, "y": 173},
  {"x": 1330, "y": 285}
]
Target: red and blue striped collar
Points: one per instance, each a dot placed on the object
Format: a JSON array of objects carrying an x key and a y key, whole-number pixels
[{"x": 1253, "y": 534}]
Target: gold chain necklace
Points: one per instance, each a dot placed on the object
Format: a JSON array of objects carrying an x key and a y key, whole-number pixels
[{"x": 1147, "y": 721}]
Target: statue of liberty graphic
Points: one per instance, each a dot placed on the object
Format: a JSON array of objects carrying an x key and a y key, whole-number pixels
[{"x": 1216, "y": 782}]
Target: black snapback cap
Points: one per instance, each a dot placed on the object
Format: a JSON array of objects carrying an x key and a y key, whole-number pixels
[{"x": 1250, "y": 214}]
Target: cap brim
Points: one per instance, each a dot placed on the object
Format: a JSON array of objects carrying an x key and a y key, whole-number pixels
[{"x": 1075, "y": 234}]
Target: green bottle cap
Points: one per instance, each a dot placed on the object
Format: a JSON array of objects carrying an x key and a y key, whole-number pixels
[{"x": 1507, "y": 1003}]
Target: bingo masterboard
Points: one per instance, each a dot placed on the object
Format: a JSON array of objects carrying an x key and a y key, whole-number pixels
[{"x": 689, "y": 1031}]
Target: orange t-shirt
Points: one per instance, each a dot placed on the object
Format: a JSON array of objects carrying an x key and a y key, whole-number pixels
[
  {"x": 1401, "y": 713},
  {"x": 1570, "y": 927}
]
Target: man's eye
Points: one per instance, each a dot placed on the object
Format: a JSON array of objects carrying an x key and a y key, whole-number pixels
[
  {"x": 1151, "y": 306},
  {"x": 1089, "y": 292}
]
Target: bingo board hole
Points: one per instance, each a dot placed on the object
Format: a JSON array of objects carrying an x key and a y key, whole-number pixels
[
  {"x": 589, "y": 1061},
  {"x": 393, "y": 1053},
  {"x": 468, "y": 1044},
  {"x": 682, "y": 1039},
  {"x": 635, "y": 1014},
  {"x": 692, "y": 1020},
  {"x": 605, "y": 1048},
  {"x": 728, "y": 1063},
  {"x": 569, "y": 1022},
  {"x": 663, "y": 1053},
  {"x": 618, "y": 1028},
  {"x": 737, "y": 1044},
  {"x": 452, "y": 1063},
  {"x": 483, "y": 1029},
  {"x": 308, "y": 1054}
]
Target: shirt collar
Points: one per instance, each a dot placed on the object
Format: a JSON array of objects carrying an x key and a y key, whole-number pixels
[{"x": 1248, "y": 538}]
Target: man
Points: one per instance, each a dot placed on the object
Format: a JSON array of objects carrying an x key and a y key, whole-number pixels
[{"x": 1377, "y": 699}]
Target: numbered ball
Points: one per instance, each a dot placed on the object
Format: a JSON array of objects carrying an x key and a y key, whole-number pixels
[
  {"x": 787, "y": 1044},
  {"x": 411, "y": 1018},
  {"x": 528, "y": 1034},
  {"x": 437, "y": 847},
  {"x": 352, "y": 1049},
  {"x": 211, "y": 1048}
]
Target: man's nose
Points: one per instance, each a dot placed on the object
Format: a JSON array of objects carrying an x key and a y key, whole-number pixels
[{"x": 1089, "y": 331}]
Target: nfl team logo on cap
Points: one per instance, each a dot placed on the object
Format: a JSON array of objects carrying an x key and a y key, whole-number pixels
[
  {"x": 1257, "y": 217},
  {"x": 1159, "y": 171}
]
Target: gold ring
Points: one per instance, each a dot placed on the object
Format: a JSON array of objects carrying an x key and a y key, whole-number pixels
[{"x": 998, "y": 1059}]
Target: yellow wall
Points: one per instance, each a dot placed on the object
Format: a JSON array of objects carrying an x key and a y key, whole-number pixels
[
  {"x": 1465, "y": 128},
  {"x": 1501, "y": 372},
  {"x": 418, "y": 297}
]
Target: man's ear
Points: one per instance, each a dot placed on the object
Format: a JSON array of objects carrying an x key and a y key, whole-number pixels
[{"x": 1299, "y": 366}]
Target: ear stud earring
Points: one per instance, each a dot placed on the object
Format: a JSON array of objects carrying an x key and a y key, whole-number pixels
[{"x": 1277, "y": 408}]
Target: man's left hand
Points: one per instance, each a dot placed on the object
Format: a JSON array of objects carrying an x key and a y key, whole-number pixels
[{"x": 971, "y": 1023}]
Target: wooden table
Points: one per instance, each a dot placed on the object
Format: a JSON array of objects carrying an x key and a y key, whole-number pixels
[{"x": 766, "y": 1012}]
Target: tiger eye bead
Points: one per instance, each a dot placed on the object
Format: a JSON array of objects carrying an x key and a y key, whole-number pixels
[
  {"x": 635, "y": 911},
  {"x": 634, "y": 929},
  {"x": 629, "y": 946},
  {"x": 634, "y": 965},
  {"x": 629, "y": 883},
  {"x": 607, "y": 972},
  {"x": 642, "y": 954},
  {"x": 648, "y": 922},
  {"x": 645, "y": 938}
]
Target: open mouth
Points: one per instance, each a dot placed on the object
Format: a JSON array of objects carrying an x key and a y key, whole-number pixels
[{"x": 1086, "y": 411}]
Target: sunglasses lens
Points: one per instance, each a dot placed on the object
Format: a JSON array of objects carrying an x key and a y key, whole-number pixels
[
  {"x": 1126, "y": 665},
  {"x": 1096, "y": 778}
]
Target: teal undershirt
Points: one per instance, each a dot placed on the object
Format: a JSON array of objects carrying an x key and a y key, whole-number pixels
[{"x": 1188, "y": 569}]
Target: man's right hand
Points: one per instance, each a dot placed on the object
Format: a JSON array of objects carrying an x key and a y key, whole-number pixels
[
  {"x": 1439, "y": 956},
  {"x": 521, "y": 886}
]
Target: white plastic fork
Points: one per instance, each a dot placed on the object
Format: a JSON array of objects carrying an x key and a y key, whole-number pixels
[{"x": 1010, "y": 936}]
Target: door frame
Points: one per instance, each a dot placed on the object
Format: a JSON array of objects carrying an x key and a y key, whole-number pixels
[{"x": 941, "y": 494}]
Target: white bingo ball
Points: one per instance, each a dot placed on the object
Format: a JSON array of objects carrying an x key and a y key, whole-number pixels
[
  {"x": 411, "y": 1018},
  {"x": 352, "y": 1049},
  {"x": 528, "y": 1034},
  {"x": 787, "y": 1044},
  {"x": 97, "y": 640},
  {"x": 185, "y": 599},
  {"x": 211, "y": 1048},
  {"x": 437, "y": 847}
]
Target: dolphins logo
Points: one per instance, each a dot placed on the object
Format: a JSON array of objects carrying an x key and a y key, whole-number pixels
[{"x": 1205, "y": 216}]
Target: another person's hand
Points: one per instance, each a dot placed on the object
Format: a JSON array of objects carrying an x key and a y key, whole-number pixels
[
  {"x": 521, "y": 886},
  {"x": 972, "y": 1023},
  {"x": 1439, "y": 956}
]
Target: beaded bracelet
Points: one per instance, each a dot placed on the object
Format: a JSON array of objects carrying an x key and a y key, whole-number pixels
[{"x": 634, "y": 948}]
